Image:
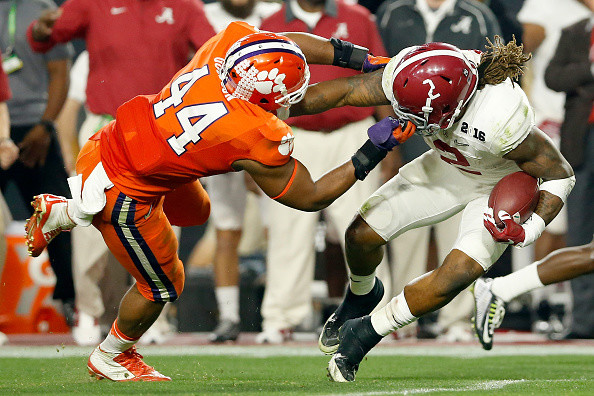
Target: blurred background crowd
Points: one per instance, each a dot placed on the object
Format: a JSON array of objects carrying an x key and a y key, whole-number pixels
[{"x": 258, "y": 266}]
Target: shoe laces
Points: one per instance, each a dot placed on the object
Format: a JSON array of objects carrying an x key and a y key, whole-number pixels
[{"x": 135, "y": 364}]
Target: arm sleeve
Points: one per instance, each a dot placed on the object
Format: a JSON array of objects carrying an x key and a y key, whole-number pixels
[
  {"x": 199, "y": 29},
  {"x": 5, "y": 92},
  {"x": 562, "y": 75}
]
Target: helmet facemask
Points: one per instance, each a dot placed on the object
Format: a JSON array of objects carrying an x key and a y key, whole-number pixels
[{"x": 432, "y": 84}]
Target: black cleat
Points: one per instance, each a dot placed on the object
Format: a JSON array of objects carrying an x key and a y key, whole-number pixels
[
  {"x": 226, "y": 330},
  {"x": 357, "y": 337},
  {"x": 352, "y": 306}
]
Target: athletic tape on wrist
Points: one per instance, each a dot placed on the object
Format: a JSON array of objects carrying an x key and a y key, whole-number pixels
[
  {"x": 559, "y": 187},
  {"x": 533, "y": 227},
  {"x": 348, "y": 55},
  {"x": 366, "y": 158}
]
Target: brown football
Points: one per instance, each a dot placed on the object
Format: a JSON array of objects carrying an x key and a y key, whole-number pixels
[{"x": 517, "y": 194}]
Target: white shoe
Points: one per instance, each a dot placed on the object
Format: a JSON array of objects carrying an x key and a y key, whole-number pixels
[
  {"x": 87, "y": 330},
  {"x": 3, "y": 338},
  {"x": 274, "y": 336},
  {"x": 489, "y": 311},
  {"x": 124, "y": 366}
]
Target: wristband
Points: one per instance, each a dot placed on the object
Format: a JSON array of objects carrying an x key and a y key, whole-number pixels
[
  {"x": 348, "y": 55},
  {"x": 559, "y": 187},
  {"x": 366, "y": 158},
  {"x": 533, "y": 227}
]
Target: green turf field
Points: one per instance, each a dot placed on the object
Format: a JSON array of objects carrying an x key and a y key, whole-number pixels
[{"x": 391, "y": 371}]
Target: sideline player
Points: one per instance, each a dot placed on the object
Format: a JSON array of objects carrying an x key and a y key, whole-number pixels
[
  {"x": 215, "y": 116},
  {"x": 491, "y": 295},
  {"x": 480, "y": 127}
]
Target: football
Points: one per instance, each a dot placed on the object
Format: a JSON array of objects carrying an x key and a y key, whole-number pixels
[{"x": 517, "y": 194}]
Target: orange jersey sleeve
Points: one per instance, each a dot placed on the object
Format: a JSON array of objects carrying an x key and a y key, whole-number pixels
[{"x": 192, "y": 128}]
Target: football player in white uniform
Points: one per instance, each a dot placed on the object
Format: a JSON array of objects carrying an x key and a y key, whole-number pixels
[{"x": 481, "y": 128}]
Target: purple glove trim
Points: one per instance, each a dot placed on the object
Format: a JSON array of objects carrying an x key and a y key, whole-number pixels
[{"x": 381, "y": 133}]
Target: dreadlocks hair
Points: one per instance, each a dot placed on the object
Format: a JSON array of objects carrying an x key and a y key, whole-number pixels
[{"x": 501, "y": 61}]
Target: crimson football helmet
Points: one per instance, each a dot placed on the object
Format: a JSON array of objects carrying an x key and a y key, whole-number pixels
[
  {"x": 266, "y": 69},
  {"x": 431, "y": 85}
]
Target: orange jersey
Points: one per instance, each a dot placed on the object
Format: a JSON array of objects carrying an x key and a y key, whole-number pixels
[{"x": 191, "y": 128}]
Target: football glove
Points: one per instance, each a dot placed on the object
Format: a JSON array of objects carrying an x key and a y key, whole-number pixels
[
  {"x": 390, "y": 132},
  {"x": 373, "y": 63},
  {"x": 513, "y": 233}
]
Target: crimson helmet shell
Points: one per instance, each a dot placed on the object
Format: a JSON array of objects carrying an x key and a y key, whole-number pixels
[{"x": 432, "y": 83}]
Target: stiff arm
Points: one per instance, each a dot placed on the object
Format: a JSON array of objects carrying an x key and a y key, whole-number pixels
[
  {"x": 361, "y": 90},
  {"x": 301, "y": 191}
]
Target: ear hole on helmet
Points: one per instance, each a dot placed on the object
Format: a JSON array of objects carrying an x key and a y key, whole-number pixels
[
  {"x": 264, "y": 101},
  {"x": 446, "y": 108},
  {"x": 425, "y": 61},
  {"x": 250, "y": 66},
  {"x": 405, "y": 82},
  {"x": 277, "y": 61},
  {"x": 233, "y": 74},
  {"x": 449, "y": 81}
]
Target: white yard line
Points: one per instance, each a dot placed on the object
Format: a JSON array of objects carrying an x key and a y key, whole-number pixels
[
  {"x": 466, "y": 351},
  {"x": 478, "y": 386}
]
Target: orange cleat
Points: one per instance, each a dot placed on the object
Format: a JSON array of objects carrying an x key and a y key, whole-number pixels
[
  {"x": 47, "y": 222},
  {"x": 124, "y": 366}
]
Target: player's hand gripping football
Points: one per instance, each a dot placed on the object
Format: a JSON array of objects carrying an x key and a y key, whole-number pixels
[
  {"x": 373, "y": 63},
  {"x": 512, "y": 232},
  {"x": 390, "y": 132}
]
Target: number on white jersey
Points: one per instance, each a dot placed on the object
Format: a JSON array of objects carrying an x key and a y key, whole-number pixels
[{"x": 205, "y": 113}]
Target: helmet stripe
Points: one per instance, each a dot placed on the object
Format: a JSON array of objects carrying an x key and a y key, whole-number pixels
[
  {"x": 263, "y": 51},
  {"x": 278, "y": 40},
  {"x": 427, "y": 54}
]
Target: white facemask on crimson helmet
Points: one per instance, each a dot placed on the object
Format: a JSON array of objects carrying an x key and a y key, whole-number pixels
[{"x": 432, "y": 84}]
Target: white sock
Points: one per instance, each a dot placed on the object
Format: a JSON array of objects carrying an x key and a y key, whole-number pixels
[
  {"x": 361, "y": 285},
  {"x": 59, "y": 217},
  {"x": 76, "y": 216},
  {"x": 519, "y": 282},
  {"x": 116, "y": 341},
  {"x": 392, "y": 316},
  {"x": 228, "y": 302}
]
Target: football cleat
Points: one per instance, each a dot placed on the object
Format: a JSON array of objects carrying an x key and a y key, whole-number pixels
[
  {"x": 353, "y": 306},
  {"x": 357, "y": 337},
  {"x": 123, "y": 366},
  {"x": 489, "y": 311},
  {"x": 226, "y": 330},
  {"x": 46, "y": 223}
]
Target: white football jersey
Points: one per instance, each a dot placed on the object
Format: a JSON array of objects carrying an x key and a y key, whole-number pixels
[{"x": 496, "y": 120}]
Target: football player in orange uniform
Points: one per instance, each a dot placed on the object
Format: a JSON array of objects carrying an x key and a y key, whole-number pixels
[{"x": 218, "y": 114}]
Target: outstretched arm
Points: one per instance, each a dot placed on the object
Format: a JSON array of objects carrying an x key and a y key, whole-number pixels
[
  {"x": 317, "y": 50},
  {"x": 301, "y": 191},
  {"x": 361, "y": 90}
]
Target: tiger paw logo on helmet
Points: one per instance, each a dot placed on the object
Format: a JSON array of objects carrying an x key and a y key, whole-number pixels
[
  {"x": 270, "y": 81},
  {"x": 266, "y": 69}
]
